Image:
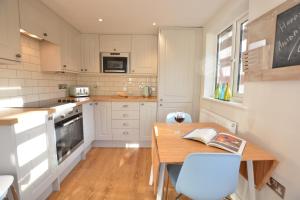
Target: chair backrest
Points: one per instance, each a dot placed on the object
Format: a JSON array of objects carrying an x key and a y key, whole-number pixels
[
  {"x": 171, "y": 118},
  {"x": 209, "y": 176}
]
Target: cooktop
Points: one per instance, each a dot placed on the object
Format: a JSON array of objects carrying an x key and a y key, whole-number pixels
[{"x": 48, "y": 103}]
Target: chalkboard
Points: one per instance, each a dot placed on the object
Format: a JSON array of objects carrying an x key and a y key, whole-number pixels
[{"x": 287, "y": 38}]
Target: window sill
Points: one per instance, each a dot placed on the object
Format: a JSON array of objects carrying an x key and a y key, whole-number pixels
[{"x": 227, "y": 103}]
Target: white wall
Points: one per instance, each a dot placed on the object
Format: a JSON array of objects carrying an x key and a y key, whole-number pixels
[{"x": 273, "y": 109}]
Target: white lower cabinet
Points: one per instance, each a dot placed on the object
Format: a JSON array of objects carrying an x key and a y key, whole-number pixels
[
  {"x": 147, "y": 119},
  {"x": 88, "y": 123},
  {"x": 103, "y": 120},
  {"x": 27, "y": 151},
  {"x": 124, "y": 121}
]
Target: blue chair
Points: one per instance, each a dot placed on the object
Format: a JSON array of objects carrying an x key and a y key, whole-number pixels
[
  {"x": 171, "y": 118},
  {"x": 209, "y": 176}
]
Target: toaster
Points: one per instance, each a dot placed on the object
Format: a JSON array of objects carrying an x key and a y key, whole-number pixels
[{"x": 79, "y": 91}]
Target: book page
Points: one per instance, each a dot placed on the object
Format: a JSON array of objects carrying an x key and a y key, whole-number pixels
[
  {"x": 228, "y": 142},
  {"x": 204, "y": 135}
]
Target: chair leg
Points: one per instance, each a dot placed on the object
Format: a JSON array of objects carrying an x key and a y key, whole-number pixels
[
  {"x": 178, "y": 197},
  {"x": 14, "y": 193},
  {"x": 167, "y": 188}
]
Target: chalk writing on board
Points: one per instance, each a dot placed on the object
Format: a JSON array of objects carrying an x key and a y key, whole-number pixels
[{"x": 287, "y": 38}]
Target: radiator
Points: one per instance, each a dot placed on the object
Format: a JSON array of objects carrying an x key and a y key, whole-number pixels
[{"x": 208, "y": 116}]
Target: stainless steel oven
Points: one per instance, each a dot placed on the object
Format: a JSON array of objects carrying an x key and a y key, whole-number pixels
[
  {"x": 69, "y": 131},
  {"x": 114, "y": 62}
]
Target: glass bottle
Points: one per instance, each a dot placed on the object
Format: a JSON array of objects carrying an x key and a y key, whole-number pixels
[{"x": 228, "y": 94}]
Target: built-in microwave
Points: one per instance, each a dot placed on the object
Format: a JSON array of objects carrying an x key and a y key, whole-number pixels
[{"x": 114, "y": 62}]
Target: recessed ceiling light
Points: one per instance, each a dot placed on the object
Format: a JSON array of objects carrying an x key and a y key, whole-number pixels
[
  {"x": 154, "y": 24},
  {"x": 100, "y": 20}
]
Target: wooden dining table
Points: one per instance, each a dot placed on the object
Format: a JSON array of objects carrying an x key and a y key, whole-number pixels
[{"x": 168, "y": 147}]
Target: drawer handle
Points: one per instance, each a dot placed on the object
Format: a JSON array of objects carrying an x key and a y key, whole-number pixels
[
  {"x": 125, "y": 124},
  {"x": 125, "y": 132},
  {"x": 125, "y": 106},
  {"x": 125, "y": 115}
]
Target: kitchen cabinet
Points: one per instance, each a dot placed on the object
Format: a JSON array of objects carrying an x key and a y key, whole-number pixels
[
  {"x": 115, "y": 43},
  {"x": 144, "y": 54},
  {"x": 165, "y": 108},
  {"x": 70, "y": 48},
  {"x": 27, "y": 151},
  {"x": 90, "y": 53},
  {"x": 147, "y": 119},
  {"x": 179, "y": 71},
  {"x": 38, "y": 19},
  {"x": 103, "y": 120},
  {"x": 64, "y": 57},
  {"x": 125, "y": 121},
  {"x": 9, "y": 32},
  {"x": 88, "y": 123}
]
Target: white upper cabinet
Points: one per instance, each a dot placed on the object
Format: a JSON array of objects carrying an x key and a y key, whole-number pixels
[
  {"x": 70, "y": 48},
  {"x": 176, "y": 64},
  {"x": 144, "y": 54},
  {"x": 9, "y": 31},
  {"x": 115, "y": 43},
  {"x": 39, "y": 20},
  {"x": 90, "y": 52}
]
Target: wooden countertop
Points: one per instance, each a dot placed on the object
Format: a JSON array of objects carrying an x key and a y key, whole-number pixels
[{"x": 10, "y": 116}]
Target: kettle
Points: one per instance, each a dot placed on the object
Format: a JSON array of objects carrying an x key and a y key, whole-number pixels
[{"x": 147, "y": 91}]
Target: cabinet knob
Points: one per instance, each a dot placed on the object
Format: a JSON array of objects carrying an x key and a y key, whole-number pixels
[
  {"x": 18, "y": 55},
  {"x": 133, "y": 70},
  {"x": 45, "y": 34},
  {"x": 125, "y": 124},
  {"x": 161, "y": 99},
  {"x": 142, "y": 104},
  {"x": 124, "y": 106},
  {"x": 125, "y": 132},
  {"x": 96, "y": 104},
  {"x": 125, "y": 115},
  {"x": 160, "y": 105},
  {"x": 81, "y": 70},
  {"x": 91, "y": 104},
  {"x": 64, "y": 66},
  {"x": 85, "y": 70},
  {"x": 115, "y": 49}
]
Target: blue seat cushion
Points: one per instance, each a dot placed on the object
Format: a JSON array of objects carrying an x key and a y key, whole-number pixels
[{"x": 173, "y": 172}]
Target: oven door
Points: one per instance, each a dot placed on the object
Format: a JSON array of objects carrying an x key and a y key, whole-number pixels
[
  {"x": 114, "y": 63},
  {"x": 69, "y": 136}
]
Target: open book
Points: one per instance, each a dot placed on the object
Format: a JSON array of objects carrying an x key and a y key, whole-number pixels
[{"x": 221, "y": 140}]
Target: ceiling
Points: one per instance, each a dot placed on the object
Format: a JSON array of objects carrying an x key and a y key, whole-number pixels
[{"x": 134, "y": 16}]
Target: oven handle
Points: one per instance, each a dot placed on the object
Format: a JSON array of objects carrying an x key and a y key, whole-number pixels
[{"x": 71, "y": 121}]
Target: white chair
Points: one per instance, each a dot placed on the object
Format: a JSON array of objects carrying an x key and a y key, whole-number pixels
[
  {"x": 6, "y": 183},
  {"x": 209, "y": 176}
]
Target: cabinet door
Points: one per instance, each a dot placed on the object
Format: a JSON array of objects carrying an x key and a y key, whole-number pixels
[
  {"x": 115, "y": 43},
  {"x": 88, "y": 123},
  {"x": 9, "y": 31},
  {"x": 103, "y": 120},
  {"x": 147, "y": 119},
  {"x": 176, "y": 65},
  {"x": 75, "y": 60},
  {"x": 144, "y": 54},
  {"x": 38, "y": 19},
  {"x": 165, "y": 108},
  {"x": 90, "y": 53}
]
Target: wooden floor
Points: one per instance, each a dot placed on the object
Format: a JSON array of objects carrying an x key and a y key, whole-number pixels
[{"x": 110, "y": 173}]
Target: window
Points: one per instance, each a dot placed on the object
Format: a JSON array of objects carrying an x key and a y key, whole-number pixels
[
  {"x": 231, "y": 43},
  {"x": 224, "y": 56}
]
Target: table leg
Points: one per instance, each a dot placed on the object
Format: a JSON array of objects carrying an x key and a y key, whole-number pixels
[
  {"x": 161, "y": 180},
  {"x": 251, "y": 184},
  {"x": 151, "y": 176}
]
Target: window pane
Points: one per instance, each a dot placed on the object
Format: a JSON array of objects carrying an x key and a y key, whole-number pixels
[
  {"x": 243, "y": 48},
  {"x": 224, "y": 56}
]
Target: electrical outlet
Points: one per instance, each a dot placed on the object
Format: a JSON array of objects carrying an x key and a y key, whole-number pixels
[
  {"x": 62, "y": 86},
  {"x": 277, "y": 187}
]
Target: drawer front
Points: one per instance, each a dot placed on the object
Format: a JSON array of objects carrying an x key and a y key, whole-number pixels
[
  {"x": 119, "y": 114},
  {"x": 125, "y": 124},
  {"x": 125, "y": 134},
  {"x": 125, "y": 106}
]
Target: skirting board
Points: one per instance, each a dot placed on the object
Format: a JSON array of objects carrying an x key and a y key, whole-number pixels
[{"x": 121, "y": 144}]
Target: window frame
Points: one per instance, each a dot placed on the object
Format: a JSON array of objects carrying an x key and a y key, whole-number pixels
[
  {"x": 236, "y": 42},
  {"x": 239, "y": 22}
]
